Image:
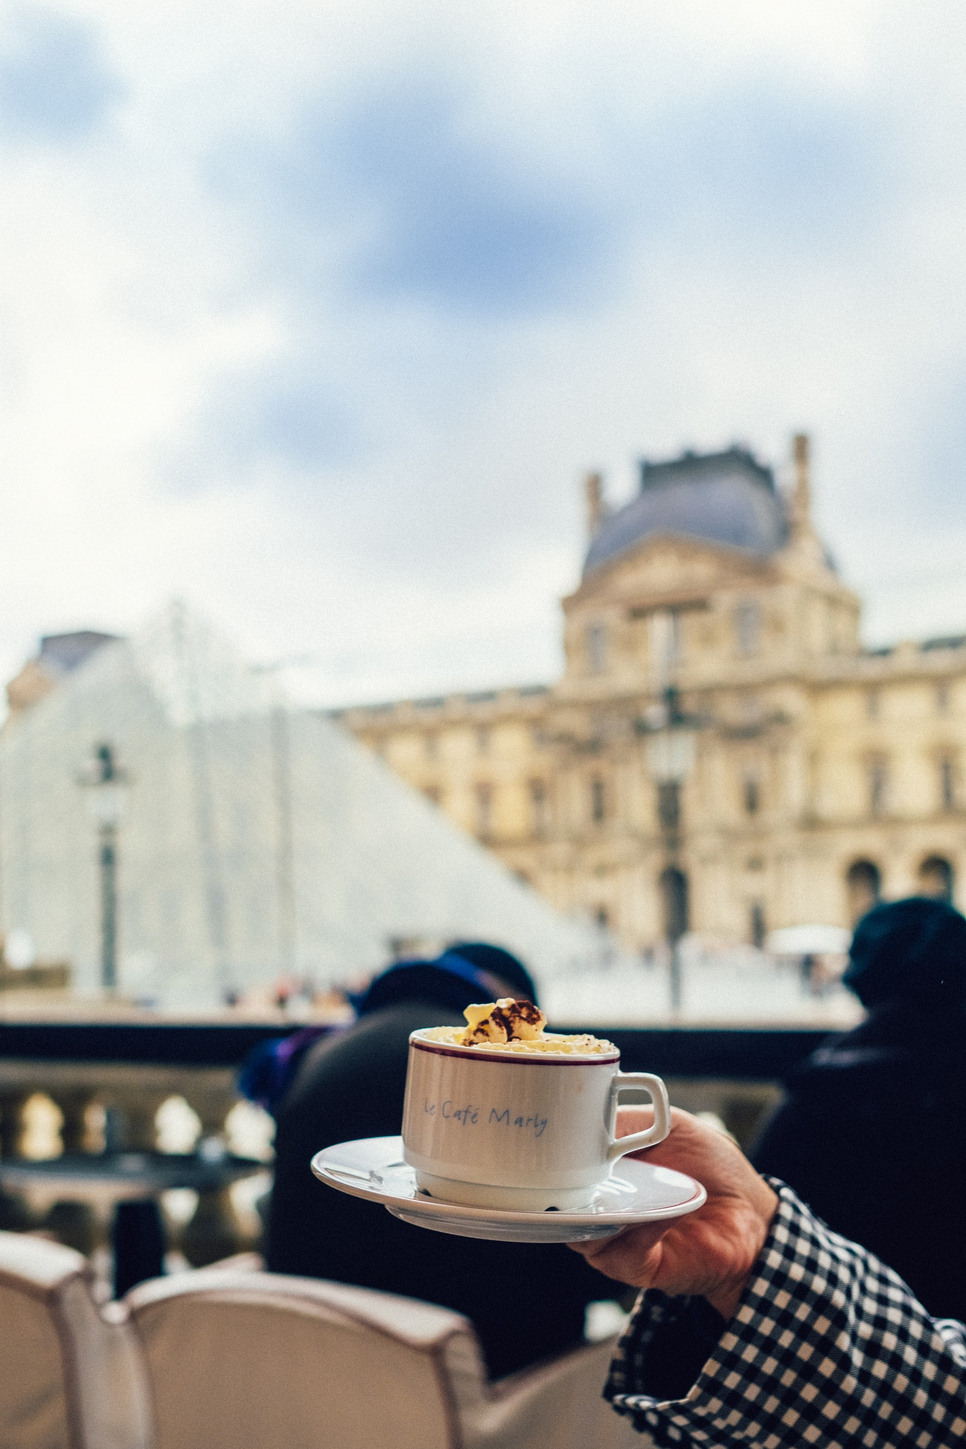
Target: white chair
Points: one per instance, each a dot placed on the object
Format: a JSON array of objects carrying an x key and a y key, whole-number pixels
[
  {"x": 248, "y": 1360},
  {"x": 70, "y": 1373}
]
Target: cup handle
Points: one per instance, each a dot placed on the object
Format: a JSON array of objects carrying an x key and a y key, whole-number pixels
[{"x": 662, "y": 1113}]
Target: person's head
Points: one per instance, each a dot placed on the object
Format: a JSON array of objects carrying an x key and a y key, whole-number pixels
[
  {"x": 467, "y": 971},
  {"x": 911, "y": 951}
]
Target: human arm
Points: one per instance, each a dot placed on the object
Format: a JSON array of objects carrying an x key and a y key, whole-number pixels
[
  {"x": 823, "y": 1344},
  {"x": 709, "y": 1253}
]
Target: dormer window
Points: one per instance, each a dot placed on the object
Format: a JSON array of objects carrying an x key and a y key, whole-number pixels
[{"x": 596, "y": 640}]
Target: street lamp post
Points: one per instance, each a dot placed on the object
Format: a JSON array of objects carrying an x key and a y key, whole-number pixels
[
  {"x": 105, "y": 781},
  {"x": 670, "y": 757}
]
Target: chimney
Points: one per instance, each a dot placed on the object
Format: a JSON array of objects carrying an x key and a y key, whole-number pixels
[
  {"x": 801, "y": 494},
  {"x": 594, "y": 502}
]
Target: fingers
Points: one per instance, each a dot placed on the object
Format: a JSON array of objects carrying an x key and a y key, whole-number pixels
[
  {"x": 630, "y": 1256},
  {"x": 633, "y": 1119}
]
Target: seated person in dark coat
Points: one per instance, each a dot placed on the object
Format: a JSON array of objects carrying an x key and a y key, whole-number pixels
[
  {"x": 873, "y": 1130},
  {"x": 526, "y": 1301}
]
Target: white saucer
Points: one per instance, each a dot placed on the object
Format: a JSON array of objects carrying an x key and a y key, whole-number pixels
[{"x": 373, "y": 1168}]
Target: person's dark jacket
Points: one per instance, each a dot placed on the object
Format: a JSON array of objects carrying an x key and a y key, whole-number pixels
[
  {"x": 872, "y": 1133},
  {"x": 526, "y": 1301}
]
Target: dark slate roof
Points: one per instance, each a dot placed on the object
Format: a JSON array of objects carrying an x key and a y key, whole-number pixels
[
  {"x": 64, "y": 652},
  {"x": 728, "y": 498}
]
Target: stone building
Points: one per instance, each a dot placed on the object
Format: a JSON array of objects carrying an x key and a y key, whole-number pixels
[{"x": 721, "y": 755}]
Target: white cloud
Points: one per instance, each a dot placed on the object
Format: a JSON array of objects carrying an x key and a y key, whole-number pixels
[{"x": 756, "y": 216}]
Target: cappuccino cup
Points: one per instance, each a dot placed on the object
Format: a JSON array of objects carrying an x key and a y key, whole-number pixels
[{"x": 529, "y": 1130}]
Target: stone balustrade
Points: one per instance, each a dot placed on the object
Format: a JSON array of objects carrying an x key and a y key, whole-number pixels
[
  {"x": 108, "y": 1081},
  {"x": 116, "y": 1104}
]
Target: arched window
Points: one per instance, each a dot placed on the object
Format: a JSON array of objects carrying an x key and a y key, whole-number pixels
[
  {"x": 756, "y": 922},
  {"x": 863, "y": 884},
  {"x": 674, "y": 897},
  {"x": 598, "y": 801},
  {"x": 937, "y": 878}
]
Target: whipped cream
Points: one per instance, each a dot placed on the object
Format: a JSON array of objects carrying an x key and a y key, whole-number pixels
[
  {"x": 502, "y": 1021},
  {"x": 515, "y": 1026}
]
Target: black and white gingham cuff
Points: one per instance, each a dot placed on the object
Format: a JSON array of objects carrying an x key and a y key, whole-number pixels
[{"x": 828, "y": 1347}]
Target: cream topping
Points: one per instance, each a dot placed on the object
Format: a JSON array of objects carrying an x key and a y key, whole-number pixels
[
  {"x": 502, "y": 1021},
  {"x": 515, "y": 1026}
]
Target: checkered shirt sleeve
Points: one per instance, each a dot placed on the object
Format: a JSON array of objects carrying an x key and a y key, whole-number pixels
[{"x": 828, "y": 1347}]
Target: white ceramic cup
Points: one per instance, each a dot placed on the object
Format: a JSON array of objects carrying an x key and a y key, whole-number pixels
[{"x": 527, "y": 1131}]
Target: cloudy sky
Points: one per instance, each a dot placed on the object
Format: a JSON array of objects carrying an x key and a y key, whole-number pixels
[{"x": 316, "y": 313}]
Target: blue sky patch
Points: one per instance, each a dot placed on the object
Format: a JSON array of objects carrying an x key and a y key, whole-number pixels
[
  {"x": 55, "y": 85},
  {"x": 437, "y": 212}
]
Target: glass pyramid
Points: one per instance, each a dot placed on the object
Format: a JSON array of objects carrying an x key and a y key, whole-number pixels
[{"x": 257, "y": 839}]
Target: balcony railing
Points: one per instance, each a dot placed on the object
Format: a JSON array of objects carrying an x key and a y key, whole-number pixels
[{"x": 123, "y": 1072}]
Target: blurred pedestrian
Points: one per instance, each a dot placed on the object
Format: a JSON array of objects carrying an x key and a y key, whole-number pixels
[{"x": 872, "y": 1132}]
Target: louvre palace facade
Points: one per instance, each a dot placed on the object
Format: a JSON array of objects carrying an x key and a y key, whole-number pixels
[{"x": 721, "y": 755}]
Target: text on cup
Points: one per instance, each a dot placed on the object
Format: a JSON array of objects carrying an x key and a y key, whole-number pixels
[{"x": 470, "y": 1115}]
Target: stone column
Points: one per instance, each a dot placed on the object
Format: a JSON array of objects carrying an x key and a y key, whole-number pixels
[
  {"x": 215, "y": 1230},
  {"x": 75, "y": 1223},
  {"x": 15, "y": 1215}
]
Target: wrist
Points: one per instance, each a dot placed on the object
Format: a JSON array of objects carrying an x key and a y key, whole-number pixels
[{"x": 727, "y": 1296}]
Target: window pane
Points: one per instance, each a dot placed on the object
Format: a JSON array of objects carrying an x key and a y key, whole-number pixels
[
  {"x": 484, "y": 809},
  {"x": 596, "y": 648},
  {"x": 665, "y": 641},
  {"x": 538, "y": 806},
  {"x": 947, "y": 783},
  {"x": 748, "y": 627},
  {"x": 669, "y": 804}
]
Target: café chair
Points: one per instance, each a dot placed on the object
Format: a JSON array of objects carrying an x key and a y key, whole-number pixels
[
  {"x": 70, "y": 1371},
  {"x": 245, "y": 1262},
  {"x": 241, "y": 1360}
]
